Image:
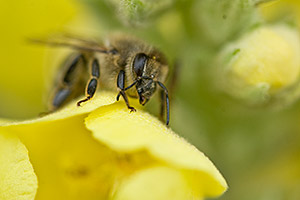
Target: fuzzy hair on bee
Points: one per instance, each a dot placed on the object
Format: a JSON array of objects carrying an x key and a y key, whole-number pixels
[{"x": 121, "y": 63}]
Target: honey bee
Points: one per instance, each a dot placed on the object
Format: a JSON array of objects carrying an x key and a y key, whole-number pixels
[{"x": 123, "y": 64}]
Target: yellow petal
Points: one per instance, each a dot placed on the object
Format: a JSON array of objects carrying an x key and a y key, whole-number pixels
[
  {"x": 17, "y": 178},
  {"x": 102, "y": 98},
  {"x": 133, "y": 132},
  {"x": 69, "y": 161},
  {"x": 66, "y": 158},
  {"x": 159, "y": 183}
]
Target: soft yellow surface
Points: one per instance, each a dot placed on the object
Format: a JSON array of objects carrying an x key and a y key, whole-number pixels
[
  {"x": 69, "y": 163},
  {"x": 72, "y": 164},
  {"x": 139, "y": 131},
  {"x": 172, "y": 185},
  {"x": 71, "y": 109},
  {"x": 268, "y": 55},
  {"x": 17, "y": 178}
]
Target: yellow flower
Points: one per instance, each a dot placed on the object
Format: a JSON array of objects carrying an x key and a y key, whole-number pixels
[
  {"x": 17, "y": 179},
  {"x": 262, "y": 63},
  {"x": 102, "y": 151}
]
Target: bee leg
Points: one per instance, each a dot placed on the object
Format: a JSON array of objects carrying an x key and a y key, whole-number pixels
[
  {"x": 121, "y": 86},
  {"x": 59, "y": 99},
  {"x": 164, "y": 97},
  {"x": 93, "y": 82},
  {"x": 66, "y": 83},
  {"x": 165, "y": 100},
  {"x": 61, "y": 95}
]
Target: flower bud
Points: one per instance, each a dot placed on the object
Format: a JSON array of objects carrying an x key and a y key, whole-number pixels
[
  {"x": 134, "y": 12},
  {"x": 261, "y": 64}
]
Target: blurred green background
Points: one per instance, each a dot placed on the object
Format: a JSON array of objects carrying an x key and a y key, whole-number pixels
[{"x": 256, "y": 148}]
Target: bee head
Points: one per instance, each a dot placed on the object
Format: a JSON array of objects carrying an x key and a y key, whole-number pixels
[
  {"x": 150, "y": 71},
  {"x": 146, "y": 72}
]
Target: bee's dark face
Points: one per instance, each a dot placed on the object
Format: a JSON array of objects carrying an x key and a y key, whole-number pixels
[
  {"x": 145, "y": 70},
  {"x": 145, "y": 89}
]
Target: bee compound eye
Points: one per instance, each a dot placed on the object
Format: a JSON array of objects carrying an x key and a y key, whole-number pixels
[{"x": 139, "y": 63}]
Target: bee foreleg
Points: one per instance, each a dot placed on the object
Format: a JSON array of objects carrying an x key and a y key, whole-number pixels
[
  {"x": 121, "y": 86},
  {"x": 93, "y": 82},
  {"x": 165, "y": 100}
]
